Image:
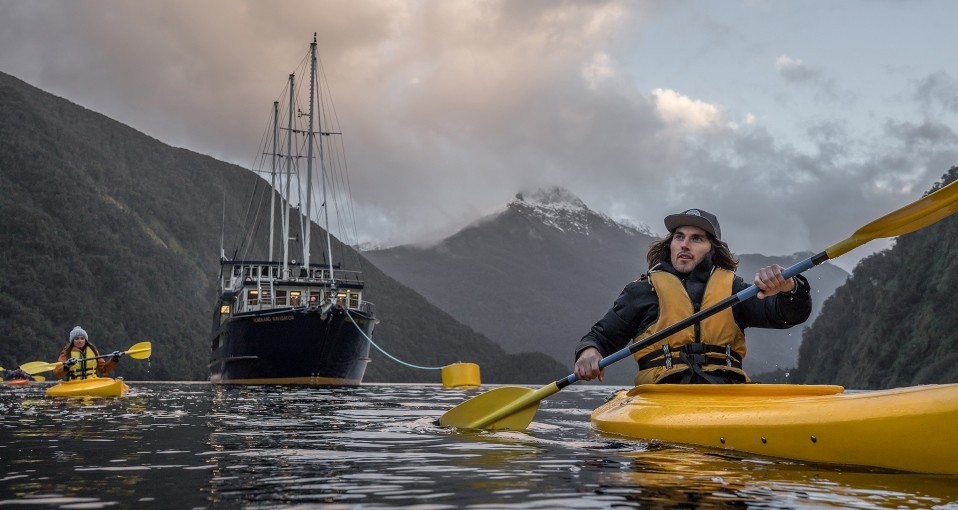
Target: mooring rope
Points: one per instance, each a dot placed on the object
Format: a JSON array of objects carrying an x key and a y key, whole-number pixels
[{"x": 390, "y": 356}]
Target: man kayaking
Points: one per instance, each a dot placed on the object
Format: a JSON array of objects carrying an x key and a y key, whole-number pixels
[
  {"x": 690, "y": 270},
  {"x": 81, "y": 359},
  {"x": 16, "y": 375}
]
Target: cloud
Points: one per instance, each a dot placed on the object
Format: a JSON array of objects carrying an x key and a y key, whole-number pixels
[
  {"x": 795, "y": 71},
  {"x": 448, "y": 108},
  {"x": 938, "y": 89},
  {"x": 678, "y": 109}
]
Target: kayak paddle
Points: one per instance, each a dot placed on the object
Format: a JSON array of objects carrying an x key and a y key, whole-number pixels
[
  {"x": 141, "y": 350},
  {"x": 513, "y": 407}
]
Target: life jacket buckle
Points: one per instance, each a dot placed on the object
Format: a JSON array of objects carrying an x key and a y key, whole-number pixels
[{"x": 695, "y": 354}]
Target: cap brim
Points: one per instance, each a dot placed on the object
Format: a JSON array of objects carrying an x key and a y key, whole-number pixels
[{"x": 674, "y": 221}]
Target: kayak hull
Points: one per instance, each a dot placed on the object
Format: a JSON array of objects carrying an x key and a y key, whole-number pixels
[
  {"x": 17, "y": 382},
  {"x": 908, "y": 429},
  {"x": 96, "y": 387}
]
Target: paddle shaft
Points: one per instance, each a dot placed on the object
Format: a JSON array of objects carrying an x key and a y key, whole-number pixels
[
  {"x": 126, "y": 352},
  {"x": 141, "y": 350},
  {"x": 697, "y": 317}
]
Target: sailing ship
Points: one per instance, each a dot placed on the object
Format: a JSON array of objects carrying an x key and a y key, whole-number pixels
[{"x": 278, "y": 320}]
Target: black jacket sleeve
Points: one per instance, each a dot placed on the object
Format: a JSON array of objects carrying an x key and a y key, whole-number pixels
[
  {"x": 635, "y": 308},
  {"x": 777, "y": 312}
]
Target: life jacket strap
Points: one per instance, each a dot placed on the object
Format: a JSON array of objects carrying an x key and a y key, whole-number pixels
[{"x": 693, "y": 354}]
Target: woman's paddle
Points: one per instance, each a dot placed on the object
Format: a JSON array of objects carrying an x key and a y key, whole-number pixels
[
  {"x": 141, "y": 350},
  {"x": 513, "y": 407}
]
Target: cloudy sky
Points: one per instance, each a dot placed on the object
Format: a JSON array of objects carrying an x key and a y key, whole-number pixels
[{"x": 796, "y": 122}]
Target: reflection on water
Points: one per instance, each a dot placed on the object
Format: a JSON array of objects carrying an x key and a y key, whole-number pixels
[{"x": 192, "y": 445}]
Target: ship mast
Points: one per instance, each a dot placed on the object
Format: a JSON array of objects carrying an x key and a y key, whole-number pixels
[
  {"x": 311, "y": 139},
  {"x": 272, "y": 183},
  {"x": 289, "y": 173},
  {"x": 322, "y": 162}
]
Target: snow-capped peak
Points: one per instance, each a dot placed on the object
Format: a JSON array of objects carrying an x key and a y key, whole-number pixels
[
  {"x": 559, "y": 208},
  {"x": 552, "y": 198}
]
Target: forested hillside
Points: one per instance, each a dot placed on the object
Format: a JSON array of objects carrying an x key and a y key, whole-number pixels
[
  {"x": 105, "y": 227},
  {"x": 895, "y": 321}
]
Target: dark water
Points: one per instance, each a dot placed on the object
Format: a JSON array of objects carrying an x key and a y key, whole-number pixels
[{"x": 183, "y": 445}]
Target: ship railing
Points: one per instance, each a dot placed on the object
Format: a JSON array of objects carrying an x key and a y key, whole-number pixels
[
  {"x": 367, "y": 308},
  {"x": 239, "y": 279}
]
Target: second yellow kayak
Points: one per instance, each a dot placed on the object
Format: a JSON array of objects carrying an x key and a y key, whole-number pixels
[
  {"x": 908, "y": 429},
  {"x": 95, "y": 387}
]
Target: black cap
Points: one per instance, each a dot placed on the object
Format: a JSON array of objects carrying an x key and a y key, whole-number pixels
[{"x": 696, "y": 218}]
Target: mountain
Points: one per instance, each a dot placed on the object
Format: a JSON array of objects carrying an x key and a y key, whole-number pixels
[
  {"x": 108, "y": 228},
  {"x": 893, "y": 323},
  {"x": 537, "y": 274}
]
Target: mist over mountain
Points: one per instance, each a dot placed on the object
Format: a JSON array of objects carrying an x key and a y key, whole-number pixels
[
  {"x": 105, "y": 227},
  {"x": 537, "y": 274}
]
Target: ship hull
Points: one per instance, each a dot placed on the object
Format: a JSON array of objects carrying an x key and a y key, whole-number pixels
[{"x": 292, "y": 346}]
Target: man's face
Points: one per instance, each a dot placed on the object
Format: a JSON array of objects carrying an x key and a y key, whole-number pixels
[{"x": 689, "y": 247}]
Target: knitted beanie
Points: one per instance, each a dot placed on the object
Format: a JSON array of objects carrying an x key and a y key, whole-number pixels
[{"x": 78, "y": 331}]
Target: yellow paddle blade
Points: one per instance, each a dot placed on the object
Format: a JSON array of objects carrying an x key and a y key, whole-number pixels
[
  {"x": 36, "y": 367},
  {"x": 141, "y": 350},
  {"x": 509, "y": 407},
  {"x": 471, "y": 414},
  {"x": 929, "y": 209}
]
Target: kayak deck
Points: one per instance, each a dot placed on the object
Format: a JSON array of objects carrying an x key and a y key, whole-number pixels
[
  {"x": 95, "y": 387},
  {"x": 908, "y": 429}
]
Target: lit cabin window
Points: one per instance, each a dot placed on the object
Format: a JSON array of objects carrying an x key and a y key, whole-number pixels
[
  {"x": 253, "y": 297},
  {"x": 224, "y": 309},
  {"x": 354, "y": 300},
  {"x": 295, "y": 298}
]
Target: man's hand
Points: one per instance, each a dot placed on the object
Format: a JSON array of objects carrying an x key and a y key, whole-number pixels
[
  {"x": 587, "y": 366},
  {"x": 770, "y": 281}
]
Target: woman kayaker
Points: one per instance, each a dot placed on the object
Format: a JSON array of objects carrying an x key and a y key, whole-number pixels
[
  {"x": 81, "y": 359},
  {"x": 690, "y": 270}
]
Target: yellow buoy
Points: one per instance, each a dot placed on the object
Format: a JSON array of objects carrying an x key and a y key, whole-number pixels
[{"x": 461, "y": 375}]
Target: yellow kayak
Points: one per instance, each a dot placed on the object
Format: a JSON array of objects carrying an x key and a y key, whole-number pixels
[
  {"x": 908, "y": 429},
  {"x": 95, "y": 387}
]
